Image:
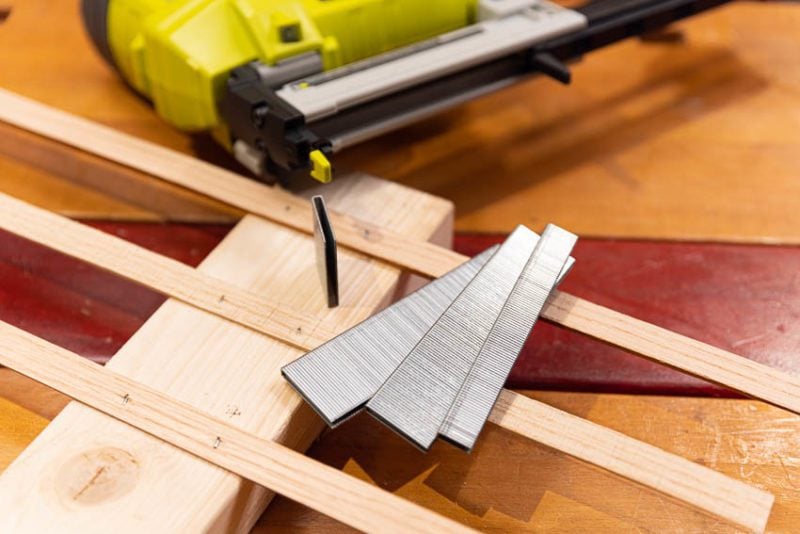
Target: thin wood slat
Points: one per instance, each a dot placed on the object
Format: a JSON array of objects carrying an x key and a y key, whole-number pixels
[
  {"x": 708, "y": 490},
  {"x": 420, "y": 257},
  {"x": 674, "y": 350},
  {"x": 194, "y": 287},
  {"x": 165, "y": 275},
  {"x": 263, "y": 461},
  {"x": 180, "y": 169}
]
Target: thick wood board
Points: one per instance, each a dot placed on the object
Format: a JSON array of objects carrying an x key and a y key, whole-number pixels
[
  {"x": 688, "y": 482},
  {"x": 219, "y": 367}
]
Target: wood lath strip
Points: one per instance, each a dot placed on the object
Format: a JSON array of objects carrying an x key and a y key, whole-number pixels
[
  {"x": 668, "y": 348},
  {"x": 580, "y": 438},
  {"x": 350, "y": 500},
  {"x": 165, "y": 275},
  {"x": 265, "y": 462},
  {"x": 704, "y": 488},
  {"x": 420, "y": 257}
]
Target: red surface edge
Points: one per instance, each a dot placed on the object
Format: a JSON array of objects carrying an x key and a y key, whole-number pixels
[{"x": 741, "y": 298}]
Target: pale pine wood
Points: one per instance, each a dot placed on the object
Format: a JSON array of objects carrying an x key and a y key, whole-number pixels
[
  {"x": 513, "y": 484},
  {"x": 263, "y": 461},
  {"x": 677, "y": 477},
  {"x": 219, "y": 367},
  {"x": 193, "y": 287},
  {"x": 188, "y": 285},
  {"x": 165, "y": 275}
]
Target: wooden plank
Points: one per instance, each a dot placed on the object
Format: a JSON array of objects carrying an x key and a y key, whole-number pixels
[
  {"x": 677, "y": 477},
  {"x": 93, "y": 313},
  {"x": 504, "y": 486},
  {"x": 293, "y": 475},
  {"x": 737, "y": 297},
  {"x": 640, "y": 126},
  {"x": 186, "y": 284},
  {"x": 649, "y": 141},
  {"x": 81, "y": 307},
  {"x": 262, "y": 461},
  {"x": 18, "y": 427},
  {"x": 418, "y": 256},
  {"x": 663, "y": 346},
  {"x": 216, "y": 366},
  {"x": 167, "y": 276}
]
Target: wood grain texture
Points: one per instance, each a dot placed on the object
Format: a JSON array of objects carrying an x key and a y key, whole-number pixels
[
  {"x": 689, "y": 140},
  {"x": 677, "y": 477},
  {"x": 177, "y": 280},
  {"x": 80, "y": 307},
  {"x": 187, "y": 285},
  {"x": 167, "y": 276},
  {"x": 260, "y": 460},
  {"x": 742, "y": 298},
  {"x": 136, "y": 196},
  {"x": 737, "y": 297},
  {"x": 418, "y": 256},
  {"x": 18, "y": 427},
  {"x": 692, "y": 140},
  {"x": 173, "y": 167},
  {"x": 240, "y": 382},
  {"x": 514, "y": 484}
]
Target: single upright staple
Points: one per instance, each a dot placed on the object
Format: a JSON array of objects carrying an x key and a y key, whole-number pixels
[
  {"x": 338, "y": 377},
  {"x": 325, "y": 242},
  {"x": 488, "y": 374}
]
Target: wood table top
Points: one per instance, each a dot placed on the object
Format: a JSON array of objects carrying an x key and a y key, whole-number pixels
[{"x": 688, "y": 140}]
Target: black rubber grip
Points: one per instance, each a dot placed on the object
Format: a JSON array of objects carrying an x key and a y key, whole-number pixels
[{"x": 95, "y": 19}]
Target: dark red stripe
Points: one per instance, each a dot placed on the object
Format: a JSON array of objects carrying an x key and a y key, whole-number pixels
[{"x": 741, "y": 298}]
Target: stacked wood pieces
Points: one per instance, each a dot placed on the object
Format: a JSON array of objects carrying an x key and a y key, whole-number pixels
[
  {"x": 229, "y": 371},
  {"x": 424, "y": 259}
]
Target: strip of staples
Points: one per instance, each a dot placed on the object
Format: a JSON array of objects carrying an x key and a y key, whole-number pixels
[
  {"x": 416, "y": 398},
  {"x": 339, "y": 377},
  {"x": 486, "y": 378}
]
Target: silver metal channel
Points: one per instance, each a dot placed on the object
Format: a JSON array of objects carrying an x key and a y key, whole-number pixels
[
  {"x": 486, "y": 378},
  {"x": 416, "y": 398},
  {"x": 339, "y": 377},
  {"x": 328, "y": 94}
]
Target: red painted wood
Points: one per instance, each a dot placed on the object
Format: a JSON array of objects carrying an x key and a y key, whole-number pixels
[
  {"x": 80, "y": 307},
  {"x": 745, "y": 299},
  {"x": 741, "y": 298}
]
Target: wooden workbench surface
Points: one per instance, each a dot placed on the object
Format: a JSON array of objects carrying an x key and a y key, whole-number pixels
[{"x": 692, "y": 140}]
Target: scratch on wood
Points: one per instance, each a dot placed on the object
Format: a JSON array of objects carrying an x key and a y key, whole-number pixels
[{"x": 90, "y": 483}]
